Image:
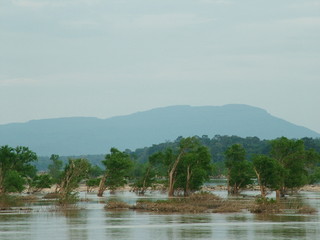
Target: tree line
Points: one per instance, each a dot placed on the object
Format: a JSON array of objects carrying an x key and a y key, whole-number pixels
[
  {"x": 287, "y": 167},
  {"x": 182, "y": 166},
  {"x": 217, "y": 146}
]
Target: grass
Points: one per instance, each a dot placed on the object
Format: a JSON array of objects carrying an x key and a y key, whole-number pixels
[
  {"x": 210, "y": 203},
  {"x": 116, "y": 205},
  {"x": 270, "y": 206},
  {"x": 196, "y": 203}
]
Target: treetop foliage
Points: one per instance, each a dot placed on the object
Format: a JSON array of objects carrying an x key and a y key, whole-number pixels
[{"x": 15, "y": 167}]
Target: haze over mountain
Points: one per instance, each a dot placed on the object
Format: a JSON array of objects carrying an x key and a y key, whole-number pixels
[{"x": 86, "y": 135}]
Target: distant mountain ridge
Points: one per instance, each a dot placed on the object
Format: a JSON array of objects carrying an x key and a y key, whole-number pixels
[{"x": 89, "y": 135}]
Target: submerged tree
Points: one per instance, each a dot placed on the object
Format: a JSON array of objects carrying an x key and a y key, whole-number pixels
[
  {"x": 93, "y": 179},
  {"x": 194, "y": 170},
  {"x": 15, "y": 166},
  {"x": 186, "y": 145},
  {"x": 185, "y": 167},
  {"x": 55, "y": 170},
  {"x": 239, "y": 169},
  {"x": 291, "y": 155},
  {"x": 39, "y": 182},
  {"x": 269, "y": 173},
  {"x": 146, "y": 177},
  {"x": 117, "y": 166},
  {"x": 75, "y": 171}
]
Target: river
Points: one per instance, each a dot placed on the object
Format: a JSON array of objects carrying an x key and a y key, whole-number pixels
[{"x": 91, "y": 221}]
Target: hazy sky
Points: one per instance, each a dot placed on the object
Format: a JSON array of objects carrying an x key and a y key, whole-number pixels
[{"x": 101, "y": 58}]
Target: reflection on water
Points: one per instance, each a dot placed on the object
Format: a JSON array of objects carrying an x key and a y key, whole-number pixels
[
  {"x": 93, "y": 222},
  {"x": 76, "y": 219}
]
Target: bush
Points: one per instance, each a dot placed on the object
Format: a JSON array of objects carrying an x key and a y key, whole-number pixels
[
  {"x": 116, "y": 205},
  {"x": 266, "y": 205},
  {"x": 7, "y": 201}
]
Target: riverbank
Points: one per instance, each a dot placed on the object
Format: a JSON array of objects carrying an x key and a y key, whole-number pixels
[
  {"x": 306, "y": 188},
  {"x": 205, "y": 188}
]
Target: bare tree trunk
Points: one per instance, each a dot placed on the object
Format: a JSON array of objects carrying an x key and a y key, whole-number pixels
[
  {"x": 64, "y": 186},
  {"x": 143, "y": 189},
  {"x": 283, "y": 191},
  {"x": 1, "y": 183},
  {"x": 278, "y": 195},
  {"x": 187, "y": 190},
  {"x": 171, "y": 184},
  {"x": 262, "y": 188},
  {"x": 228, "y": 183},
  {"x": 102, "y": 186},
  {"x": 172, "y": 174},
  {"x": 235, "y": 189}
]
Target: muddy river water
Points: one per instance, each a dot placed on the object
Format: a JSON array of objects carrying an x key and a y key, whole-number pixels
[{"x": 91, "y": 221}]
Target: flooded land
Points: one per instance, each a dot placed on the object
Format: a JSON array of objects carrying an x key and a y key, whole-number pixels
[{"x": 41, "y": 219}]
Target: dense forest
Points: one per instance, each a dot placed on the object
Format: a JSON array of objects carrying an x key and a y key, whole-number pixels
[{"x": 216, "y": 145}]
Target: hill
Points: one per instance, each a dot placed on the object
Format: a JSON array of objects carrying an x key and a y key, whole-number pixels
[{"x": 83, "y": 135}]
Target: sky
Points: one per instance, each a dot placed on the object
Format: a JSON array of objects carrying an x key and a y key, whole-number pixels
[{"x": 103, "y": 58}]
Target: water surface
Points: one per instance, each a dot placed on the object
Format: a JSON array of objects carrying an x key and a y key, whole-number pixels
[{"x": 93, "y": 222}]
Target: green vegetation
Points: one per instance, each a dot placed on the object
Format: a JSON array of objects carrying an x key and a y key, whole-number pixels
[
  {"x": 271, "y": 206},
  {"x": 55, "y": 170},
  {"x": 74, "y": 172},
  {"x": 15, "y": 168},
  {"x": 145, "y": 175},
  {"x": 239, "y": 169},
  {"x": 195, "y": 203},
  {"x": 39, "y": 182},
  {"x": 185, "y": 167},
  {"x": 182, "y": 167},
  {"x": 117, "y": 166},
  {"x": 268, "y": 172}
]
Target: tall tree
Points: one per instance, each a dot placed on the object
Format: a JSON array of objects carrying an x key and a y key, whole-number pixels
[
  {"x": 239, "y": 169},
  {"x": 185, "y": 145},
  {"x": 15, "y": 167},
  {"x": 185, "y": 167},
  {"x": 291, "y": 155},
  {"x": 194, "y": 170},
  {"x": 117, "y": 165},
  {"x": 269, "y": 173}
]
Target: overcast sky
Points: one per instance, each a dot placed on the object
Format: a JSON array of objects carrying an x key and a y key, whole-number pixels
[{"x": 102, "y": 58}]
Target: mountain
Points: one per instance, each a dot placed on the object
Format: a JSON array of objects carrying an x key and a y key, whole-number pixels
[{"x": 86, "y": 135}]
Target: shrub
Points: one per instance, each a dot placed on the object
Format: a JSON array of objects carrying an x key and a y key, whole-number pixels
[{"x": 116, "y": 205}]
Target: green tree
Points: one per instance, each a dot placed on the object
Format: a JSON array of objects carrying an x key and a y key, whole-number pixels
[
  {"x": 95, "y": 171},
  {"x": 74, "y": 172},
  {"x": 291, "y": 155},
  {"x": 185, "y": 145},
  {"x": 94, "y": 177},
  {"x": 15, "y": 165},
  {"x": 269, "y": 173},
  {"x": 239, "y": 169},
  {"x": 312, "y": 165},
  {"x": 39, "y": 182},
  {"x": 315, "y": 176},
  {"x": 14, "y": 182},
  {"x": 185, "y": 167},
  {"x": 154, "y": 171},
  {"x": 146, "y": 178},
  {"x": 55, "y": 170},
  {"x": 117, "y": 165},
  {"x": 194, "y": 170}
]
